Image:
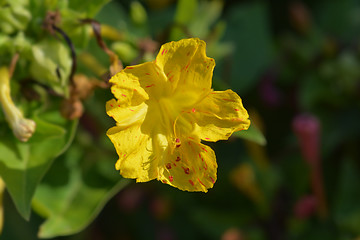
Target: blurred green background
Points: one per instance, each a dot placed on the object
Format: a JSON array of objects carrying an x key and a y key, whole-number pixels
[{"x": 294, "y": 175}]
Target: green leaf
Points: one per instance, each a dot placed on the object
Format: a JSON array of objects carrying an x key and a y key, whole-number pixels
[
  {"x": 185, "y": 11},
  {"x": 206, "y": 15},
  {"x": 338, "y": 19},
  {"x": 71, "y": 196},
  {"x": 91, "y": 8},
  {"x": 248, "y": 27},
  {"x": 51, "y": 64},
  {"x": 252, "y": 134},
  {"x": 125, "y": 51},
  {"x": 22, "y": 165},
  {"x": 78, "y": 32},
  {"x": 114, "y": 14},
  {"x": 346, "y": 205},
  {"x": 13, "y": 17},
  {"x": 138, "y": 13}
]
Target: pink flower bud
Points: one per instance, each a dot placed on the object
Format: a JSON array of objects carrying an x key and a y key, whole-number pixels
[
  {"x": 307, "y": 130},
  {"x": 305, "y": 207}
]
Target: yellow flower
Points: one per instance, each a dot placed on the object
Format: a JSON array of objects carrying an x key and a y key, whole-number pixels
[{"x": 164, "y": 109}]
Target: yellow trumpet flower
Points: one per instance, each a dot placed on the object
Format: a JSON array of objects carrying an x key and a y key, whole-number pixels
[{"x": 163, "y": 109}]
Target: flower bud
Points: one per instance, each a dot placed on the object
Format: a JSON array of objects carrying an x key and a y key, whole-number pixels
[
  {"x": 22, "y": 128},
  {"x": 138, "y": 13},
  {"x": 305, "y": 207},
  {"x": 307, "y": 129}
]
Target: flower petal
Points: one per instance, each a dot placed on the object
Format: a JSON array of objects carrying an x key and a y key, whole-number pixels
[
  {"x": 191, "y": 166},
  {"x": 135, "y": 150},
  {"x": 186, "y": 65},
  {"x": 217, "y": 116},
  {"x": 149, "y": 76},
  {"x": 127, "y": 88},
  {"x": 126, "y": 115}
]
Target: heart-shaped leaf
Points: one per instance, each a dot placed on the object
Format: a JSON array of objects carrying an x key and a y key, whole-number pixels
[
  {"x": 72, "y": 195},
  {"x": 22, "y": 165}
]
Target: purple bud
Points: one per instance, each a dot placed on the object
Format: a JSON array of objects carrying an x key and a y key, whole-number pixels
[
  {"x": 307, "y": 130},
  {"x": 305, "y": 207}
]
